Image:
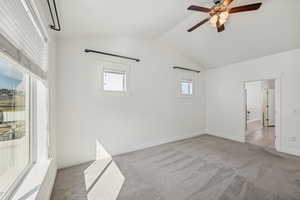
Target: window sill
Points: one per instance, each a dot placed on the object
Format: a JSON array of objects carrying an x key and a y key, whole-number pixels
[
  {"x": 114, "y": 93},
  {"x": 185, "y": 96},
  {"x": 31, "y": 184}
]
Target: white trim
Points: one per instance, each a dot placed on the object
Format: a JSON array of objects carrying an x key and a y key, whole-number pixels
[
  {"x": 32, "y": 182},
  {"x": 12, "y": 189},
  {"x": 278, "y": 115},
  {"x": 114, "y": 71},
  {"x": 141, "y": 146},
  {"x": 117, "y": 68},
  {"x": 283, "y": 149},
  {"x": 33, "y": 120},
  {"x": 186, "y": 80},
  {"x": 228, "y": 136},
  {"x": 290, "y": 151}
]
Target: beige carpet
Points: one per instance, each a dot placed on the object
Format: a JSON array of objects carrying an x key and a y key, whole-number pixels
[{"x": 204, "y": 167}]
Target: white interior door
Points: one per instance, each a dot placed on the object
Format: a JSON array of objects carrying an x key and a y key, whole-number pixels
[{"x": 271, "y": 107}]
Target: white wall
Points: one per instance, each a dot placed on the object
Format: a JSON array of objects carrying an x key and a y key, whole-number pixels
[
  {"x": 47, "y": 184},
  {"x": 224, "y": 96},
  {"x": 254, "y": 100},
  {"x": 151, "y": 114}
]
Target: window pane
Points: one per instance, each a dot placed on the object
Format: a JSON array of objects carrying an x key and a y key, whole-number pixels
[
  {"x": 186, "y": 88},
  {"x": 114, "y": 81},
  {"x": 14, "y": 134}
]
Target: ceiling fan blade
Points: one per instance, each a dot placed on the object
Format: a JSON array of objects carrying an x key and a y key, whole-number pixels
[
  {"x": 245, "y": 8},
  {"x": 199, "y": 8},
  {"x": 199, "y": 24},
  {"x": 221, "y": 28},
  {"x": 227, "y": 2}
]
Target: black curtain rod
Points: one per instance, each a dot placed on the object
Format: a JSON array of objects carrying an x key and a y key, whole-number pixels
[
  {"x": 109, "y": 54},
  {"x": 187, "y": 69},
  {"x": 53, "y": 26}
]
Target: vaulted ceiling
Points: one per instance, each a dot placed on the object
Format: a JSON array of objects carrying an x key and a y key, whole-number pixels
[
  {"x": 138, "y": 18},
  {"x": 274, "y": 28}
]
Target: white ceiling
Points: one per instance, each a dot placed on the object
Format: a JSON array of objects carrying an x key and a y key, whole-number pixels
[
  {"x": 143, "y": 18},
  {"x": 274, "y": 28}
]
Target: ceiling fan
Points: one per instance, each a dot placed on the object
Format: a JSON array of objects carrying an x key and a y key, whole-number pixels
[{"x": 219, "y": 13}]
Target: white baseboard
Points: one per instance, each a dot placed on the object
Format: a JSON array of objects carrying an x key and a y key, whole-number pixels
[
  {"x": 206, "y": 131},
  {"x": 286, "y": 150},
  {"x": 136, "y": 147},
  {"x": 227, "y": 136},
  {"x": 291, "y": 151},
  {"x": 159, "y": 142}
]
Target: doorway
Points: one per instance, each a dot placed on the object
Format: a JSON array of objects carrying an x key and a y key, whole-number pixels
[{"x": 261, "y": 113}]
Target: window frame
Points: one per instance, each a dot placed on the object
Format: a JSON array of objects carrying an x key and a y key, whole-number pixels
[
  {"x": 32, "y": 10},
  {"x": 103, "y": 65},
  {"x": 37, "y": 145},
  {"x": 191, "y": 81},
  {"x": 115, "y": 71},
  {"x": 29, "y": 89}
]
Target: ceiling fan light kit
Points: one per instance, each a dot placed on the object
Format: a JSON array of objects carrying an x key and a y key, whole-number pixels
[
  {"x": 219, "y": 13},
  {"x": 220, "y": 17}
]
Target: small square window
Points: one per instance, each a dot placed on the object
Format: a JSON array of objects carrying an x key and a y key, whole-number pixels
[
  {"x": 186, "y": 87},
  {"x": 114, "y": 81}
]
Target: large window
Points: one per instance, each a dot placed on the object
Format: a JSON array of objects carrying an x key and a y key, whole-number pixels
[
  {"x": 15, "y": 145},
  {"x": 23, "y": 94}
]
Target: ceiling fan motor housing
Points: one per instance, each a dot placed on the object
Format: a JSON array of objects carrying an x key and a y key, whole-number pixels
[{"x": 217, "y": 1}]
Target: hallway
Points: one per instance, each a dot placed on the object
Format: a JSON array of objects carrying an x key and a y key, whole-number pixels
[{"x": 262, "y": 136}]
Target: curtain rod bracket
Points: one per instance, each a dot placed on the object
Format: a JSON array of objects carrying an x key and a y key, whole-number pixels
[
  {"x": 110, "y": 54},
  {"x": 53, "y": 26}
]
